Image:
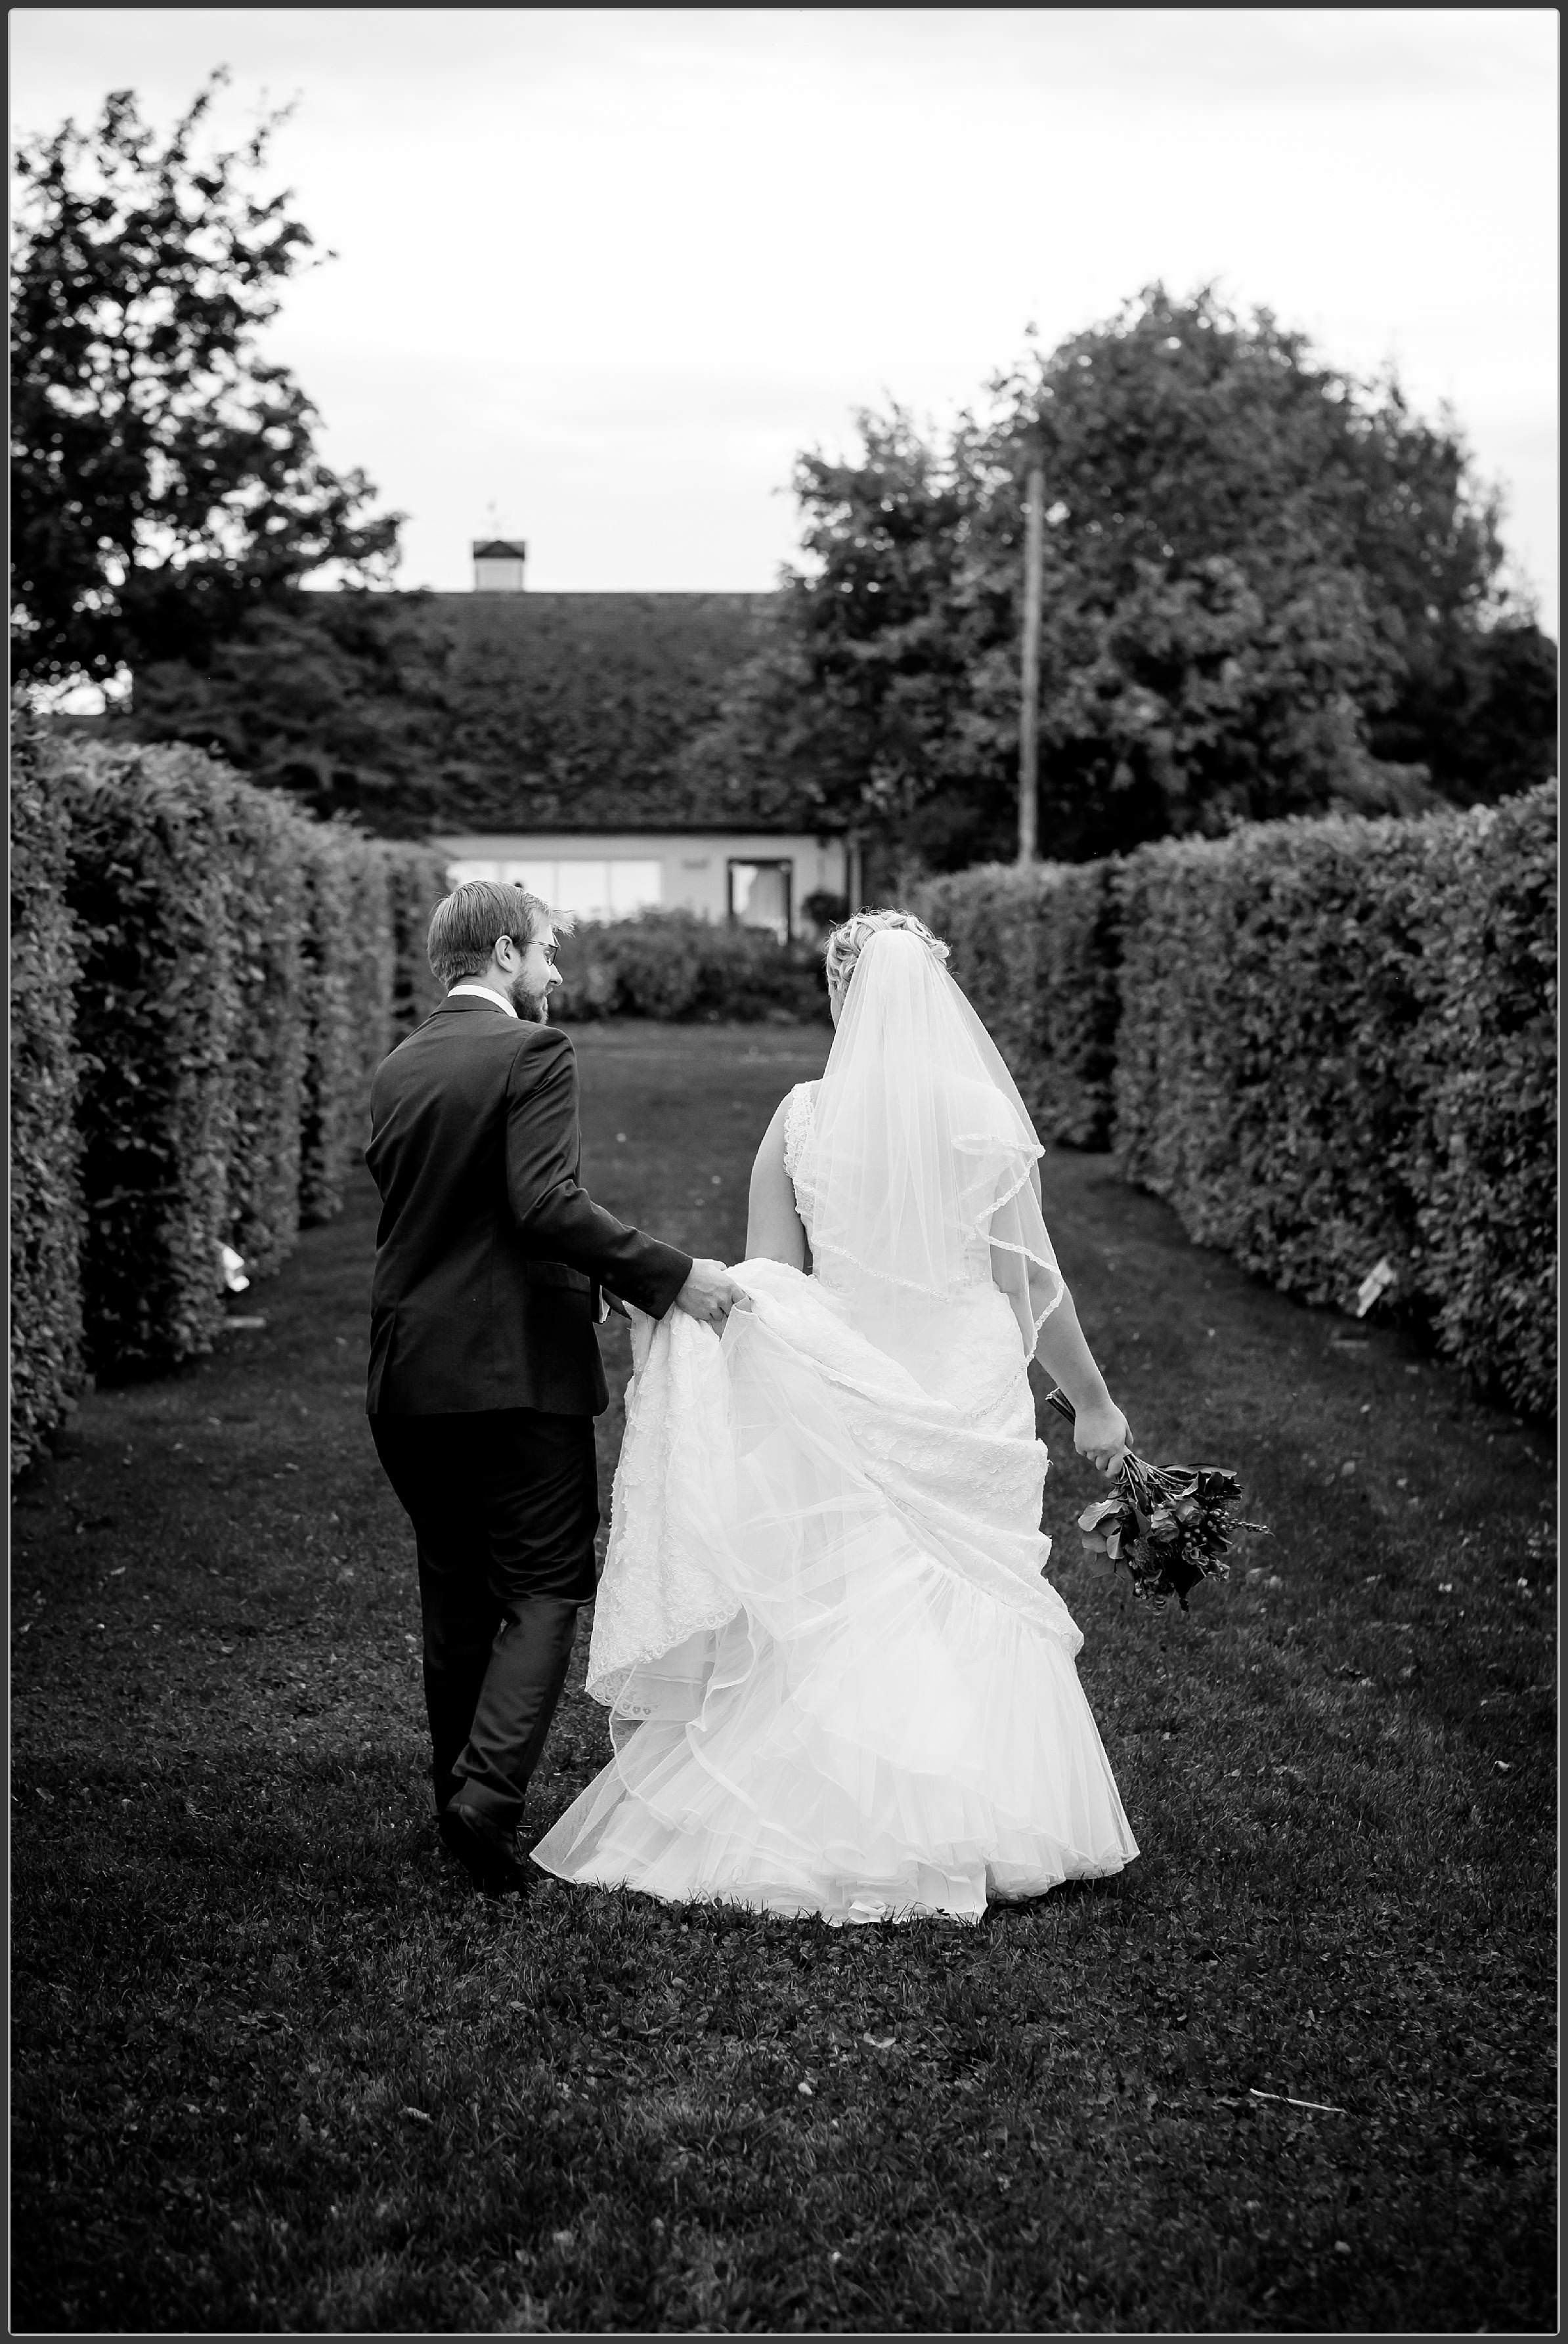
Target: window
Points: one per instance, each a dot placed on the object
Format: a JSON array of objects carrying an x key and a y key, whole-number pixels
[
  {"x": 636, "y": 888},
  {"x": 760, "y": 896},
  {"x": 583, "y": 888},
  {"x": 607, "y": 888}
]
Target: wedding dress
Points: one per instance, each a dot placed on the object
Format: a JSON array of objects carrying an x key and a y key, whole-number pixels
[{"x": 838, "y": 1681}]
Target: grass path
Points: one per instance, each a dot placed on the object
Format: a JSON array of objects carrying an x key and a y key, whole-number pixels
[{"x": 274, "y": 2069}]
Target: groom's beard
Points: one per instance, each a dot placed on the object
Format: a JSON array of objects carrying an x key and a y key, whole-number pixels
[{"x": 533, "y": 1008}]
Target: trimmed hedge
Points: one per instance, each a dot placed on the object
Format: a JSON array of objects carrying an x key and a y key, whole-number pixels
[
  {"x": 1326, "y": 1044},
  {"x": 1272, "y": 1079},
  {"x": 1037, "y": 952},
  {"x": 351, "y": 965},
  {"x": 1488, "y": 1215},
  {"x": 671, "y": 964},
  {"x": 158, "y": 1024},
  {"x": 267, "y": 917},
  {"x": 1338, "y": 1046},
  {"x": 417, "y": 876},
  {"x": 205, "y": 981},
  {"x": 47, "y": 1362}
]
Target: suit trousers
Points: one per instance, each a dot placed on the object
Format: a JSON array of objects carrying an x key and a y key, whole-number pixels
[{"x": 504, "y": 1504}]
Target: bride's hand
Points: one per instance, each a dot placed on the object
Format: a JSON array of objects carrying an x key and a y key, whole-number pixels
[{"x": 1104, "y": 1436}]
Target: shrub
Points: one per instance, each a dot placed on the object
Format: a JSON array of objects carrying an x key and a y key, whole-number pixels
[
  {"x": 266, "y": 889},
  {"x": 418, "y": 878},
  {"x": 1269, "y": 1082},
  {"x": 372, "y": 970},
  {"x": 237, "y": 979},
  {"x": 1336, "y": 1046},
  {"x": 1037, "y": 951},
  {"x": 1488, "y": 1212},
  {"x": 363, "y": 991},
  {"x": 158, "y": 1015},
  {"x": 673, "y": 964},
  {"x": 333, "y": 1048},
  {"x": 46, "y": 1168}
]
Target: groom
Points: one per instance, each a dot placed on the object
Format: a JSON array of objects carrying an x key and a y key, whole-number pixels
[{"x": 493, "y": 1267}]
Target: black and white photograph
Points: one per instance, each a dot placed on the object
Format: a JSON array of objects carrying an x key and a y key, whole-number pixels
[{"x": 783, "y": 1170}]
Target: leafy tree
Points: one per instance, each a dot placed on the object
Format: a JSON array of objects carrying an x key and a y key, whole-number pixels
[
  {"x": 856, "y": 709},
  {"x": 503, "y": 712},
  {"x": 1270, "y": 588},
  {"x": 341, "y": 700},
  {"x": 165, "y": 481}
]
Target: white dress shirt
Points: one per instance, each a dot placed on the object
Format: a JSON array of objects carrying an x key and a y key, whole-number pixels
[{"x": 483, "y": 993}]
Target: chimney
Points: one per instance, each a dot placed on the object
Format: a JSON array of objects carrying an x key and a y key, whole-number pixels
[{"x": 497, "y": 565}]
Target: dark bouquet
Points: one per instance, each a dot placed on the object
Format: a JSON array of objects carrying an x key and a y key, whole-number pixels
[{"x": 1173, "y": 1525}]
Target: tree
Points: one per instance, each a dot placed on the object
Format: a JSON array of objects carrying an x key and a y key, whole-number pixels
[
  {"x": 855, "y": 710},
  {"x": 165, "y": 481},
  {"x": 1270, "y": 588},
  {"x": 343, "y": 702},
  {"x": 479, "y": 712}
]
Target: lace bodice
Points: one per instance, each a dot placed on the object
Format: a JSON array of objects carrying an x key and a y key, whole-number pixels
[{"x": 798, "y": 1116}]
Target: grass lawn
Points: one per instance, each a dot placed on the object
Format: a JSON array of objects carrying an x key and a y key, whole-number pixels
[{"x": 275, "y": 2067}]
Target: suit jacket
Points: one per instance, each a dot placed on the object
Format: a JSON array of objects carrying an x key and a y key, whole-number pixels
[{"x": 489, "y": 1254}]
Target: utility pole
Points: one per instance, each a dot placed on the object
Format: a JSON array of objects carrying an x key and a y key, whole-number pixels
[{"x": 1029, "y": 700}]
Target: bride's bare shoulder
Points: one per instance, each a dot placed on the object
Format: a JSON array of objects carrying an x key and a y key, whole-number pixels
[
  {"x": 772, "y": 1147},
  {"x": 774, "y": 1226}
]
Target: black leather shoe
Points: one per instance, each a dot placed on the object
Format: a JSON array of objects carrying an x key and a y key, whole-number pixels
[{"x": 488, "y": 1852}]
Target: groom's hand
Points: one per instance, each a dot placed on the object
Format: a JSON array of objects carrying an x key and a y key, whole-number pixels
[{"x": 711, "y": 1294}]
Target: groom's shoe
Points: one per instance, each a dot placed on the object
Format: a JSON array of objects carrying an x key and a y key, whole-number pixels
[{"x": 488, "y": 1851}]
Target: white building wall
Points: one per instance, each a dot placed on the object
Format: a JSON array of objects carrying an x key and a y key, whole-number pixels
[{"x": 612, "y": 874}]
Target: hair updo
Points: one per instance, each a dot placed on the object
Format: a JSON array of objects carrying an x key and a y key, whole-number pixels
[{"x": 849, "y": 939}]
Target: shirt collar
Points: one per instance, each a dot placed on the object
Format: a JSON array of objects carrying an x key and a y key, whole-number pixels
[{"x": 483, "y": 993}]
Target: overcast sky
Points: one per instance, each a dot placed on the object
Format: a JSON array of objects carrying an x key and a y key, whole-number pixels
[{"x": 603, "y": 272}]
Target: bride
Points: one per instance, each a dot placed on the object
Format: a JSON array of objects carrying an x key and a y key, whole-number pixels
[{"x": 838, "y": 1680}]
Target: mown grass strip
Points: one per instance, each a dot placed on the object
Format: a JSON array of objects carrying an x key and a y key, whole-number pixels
[{"x": 275, "y": 2069}]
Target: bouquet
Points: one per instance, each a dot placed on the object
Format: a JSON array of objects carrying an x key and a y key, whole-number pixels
[{"x": 1173, "y": 1525}]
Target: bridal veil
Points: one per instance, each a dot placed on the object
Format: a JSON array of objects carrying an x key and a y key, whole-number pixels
[{"x": 921, "y": 1174}]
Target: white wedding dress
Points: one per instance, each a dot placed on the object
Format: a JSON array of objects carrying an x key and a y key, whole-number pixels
[{"x": 839, "y": 1682}]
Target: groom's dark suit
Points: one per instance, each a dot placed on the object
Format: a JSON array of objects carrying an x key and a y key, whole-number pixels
[{"x": 485, "y": 1375}]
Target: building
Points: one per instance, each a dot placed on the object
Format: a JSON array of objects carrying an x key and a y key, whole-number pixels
[
  {"x": 761, "y": 879},
  {"x": 573, "y": 708},
  {"x": 497, "y": 565}
]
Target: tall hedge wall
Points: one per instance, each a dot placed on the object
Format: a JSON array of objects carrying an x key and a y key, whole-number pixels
[
  {"x": 1037, "y": 952},
  {"x": 45, "y": 1165},
  {"x": 1332, "y": 1043},
  {"x": 416, "y": 877},
  {"x": 267, "y": 916},
  {"x": 1338, "y": 1046},
  {"x": 157, "y": 1026},
  {"x": 341, "y": 890},
  {"x": 203, "y": 981},
  {"x": 1488, "y": 1213}
]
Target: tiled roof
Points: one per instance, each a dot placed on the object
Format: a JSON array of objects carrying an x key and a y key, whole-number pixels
[{"x": 499, "y": 549}]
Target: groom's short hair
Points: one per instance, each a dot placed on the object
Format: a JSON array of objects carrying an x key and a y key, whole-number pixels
[{"x": 467, "y": 925}]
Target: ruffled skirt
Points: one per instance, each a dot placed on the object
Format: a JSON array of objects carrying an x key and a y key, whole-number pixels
[{"x": 838, "y": 1682}]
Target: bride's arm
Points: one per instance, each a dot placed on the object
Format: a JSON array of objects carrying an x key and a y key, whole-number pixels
[
  {"x": 773, "y": 1230},
  {"x": 1099, "y": 1431}
]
